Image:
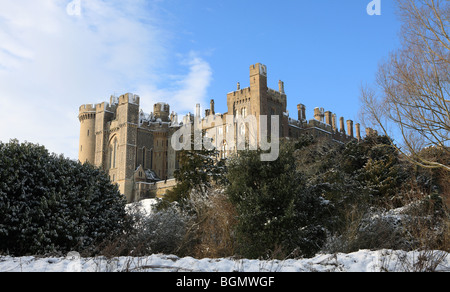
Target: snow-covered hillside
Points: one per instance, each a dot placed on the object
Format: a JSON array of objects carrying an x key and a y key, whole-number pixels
[{"x": 361, "y": 261}]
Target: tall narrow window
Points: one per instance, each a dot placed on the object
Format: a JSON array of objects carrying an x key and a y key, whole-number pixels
[
  {"x": 144, "y": 151},
  {"x": 114, "y": 154},
  {"x": 151, "y": 159}
]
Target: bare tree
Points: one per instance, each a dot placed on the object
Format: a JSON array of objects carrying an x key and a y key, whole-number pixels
[{"x": 412, "y": 92}]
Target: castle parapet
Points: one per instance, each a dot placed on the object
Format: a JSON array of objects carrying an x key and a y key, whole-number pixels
[
  {"x": 129, "y": 98},
  {"x": 105, "y": 107},
  {"x": 86, "y": 111}
]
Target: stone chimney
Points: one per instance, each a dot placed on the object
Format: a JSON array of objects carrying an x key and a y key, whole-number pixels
[
  {"x": 318, "y": 114},
  {"x": 350, "y": 128},
  {"x": 342, "y": 125},
  {"x": 334, "y": 122},
  {"x": 301, "y": 112},
  {"x": 281, "y": 86},
  {"x": 211, "y": 107},
  {"x": 329, "y": 118},
  {"x": 358, "y": 131}
]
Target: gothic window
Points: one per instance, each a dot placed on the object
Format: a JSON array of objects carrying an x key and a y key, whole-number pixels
[{"x": 113, "y": 152}]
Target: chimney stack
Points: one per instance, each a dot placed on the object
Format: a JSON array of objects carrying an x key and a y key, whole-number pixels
[
  {"x": 281, "y": 86},
  {"x": 212, "y": 111},
  {"x": 301, "y": 112},
  {"x": 318, "y": 114},
  {"x": 350, "y": 128},
  {"x": 341, "y": 122},
  {"x": 328, "y": 118},
  {"x": 358, "y": 131}
]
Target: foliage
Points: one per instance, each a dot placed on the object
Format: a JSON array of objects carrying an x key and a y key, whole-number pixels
[
  {"x": 198, "y": 168},
  {"x": 411, "y": 93},
  {"x": 52, "y": 204},
  {"x": 273, "y": 208}
]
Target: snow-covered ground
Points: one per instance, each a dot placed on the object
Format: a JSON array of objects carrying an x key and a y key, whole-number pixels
[{"x": 361, "y": 261}]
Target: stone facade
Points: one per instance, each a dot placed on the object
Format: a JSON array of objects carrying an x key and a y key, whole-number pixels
[
  {"x": 126, "y": 142},
  {"x": 134, "y": 148}
]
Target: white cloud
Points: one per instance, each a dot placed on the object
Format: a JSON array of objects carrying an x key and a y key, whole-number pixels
[
  {"x": 184, "y": 91},
  {"x": 52, "y": 62}
]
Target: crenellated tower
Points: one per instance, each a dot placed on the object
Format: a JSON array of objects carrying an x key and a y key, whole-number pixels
[{"x": 86, "y": 151}]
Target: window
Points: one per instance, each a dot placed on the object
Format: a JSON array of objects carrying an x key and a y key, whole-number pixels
[
  {"x": 244, "y": 112},
  {"x": 88, "y": 133},
  {"x": 242, "y": 129},
  {"x": 113, "y": 153},
  {"x": 144, "y": 151},
  {"x": 224, "y": 150}
]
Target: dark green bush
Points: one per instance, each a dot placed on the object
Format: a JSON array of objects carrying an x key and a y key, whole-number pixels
[{"x": 50, "y": 204}]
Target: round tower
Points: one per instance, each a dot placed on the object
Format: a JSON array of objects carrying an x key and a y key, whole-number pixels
[{"x": 86, "y": 151}]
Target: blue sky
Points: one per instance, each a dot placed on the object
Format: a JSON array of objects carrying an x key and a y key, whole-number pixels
[{"x": 180, "y": 51}]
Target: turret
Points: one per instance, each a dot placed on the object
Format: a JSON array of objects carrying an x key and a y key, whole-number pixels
[{"x": 86, "y": 151}]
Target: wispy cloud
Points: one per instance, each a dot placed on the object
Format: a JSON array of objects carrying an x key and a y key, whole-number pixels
[
  {"x": 52, "y": 62},
  {"x": 182, "y": 92}
]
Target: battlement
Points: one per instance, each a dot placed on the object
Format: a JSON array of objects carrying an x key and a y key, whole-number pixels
[
  {"x": 86, "y": 112},
  {"x": 276, "y": 96},
  {"x": 161, "y": 111},
  {"x": 105, "y": 107},
  {"x": 87, "y": 108},
  {"x": 129, "y": 98},
  {"x": 161, "y": 107},
  {"x": 258, "y": 69}
]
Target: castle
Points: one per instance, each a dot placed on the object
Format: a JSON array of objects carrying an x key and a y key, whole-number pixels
[{"x": 135, "y": 148}]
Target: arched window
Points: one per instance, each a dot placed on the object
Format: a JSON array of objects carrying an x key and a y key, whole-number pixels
[{"x": 113, "y": 153}]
